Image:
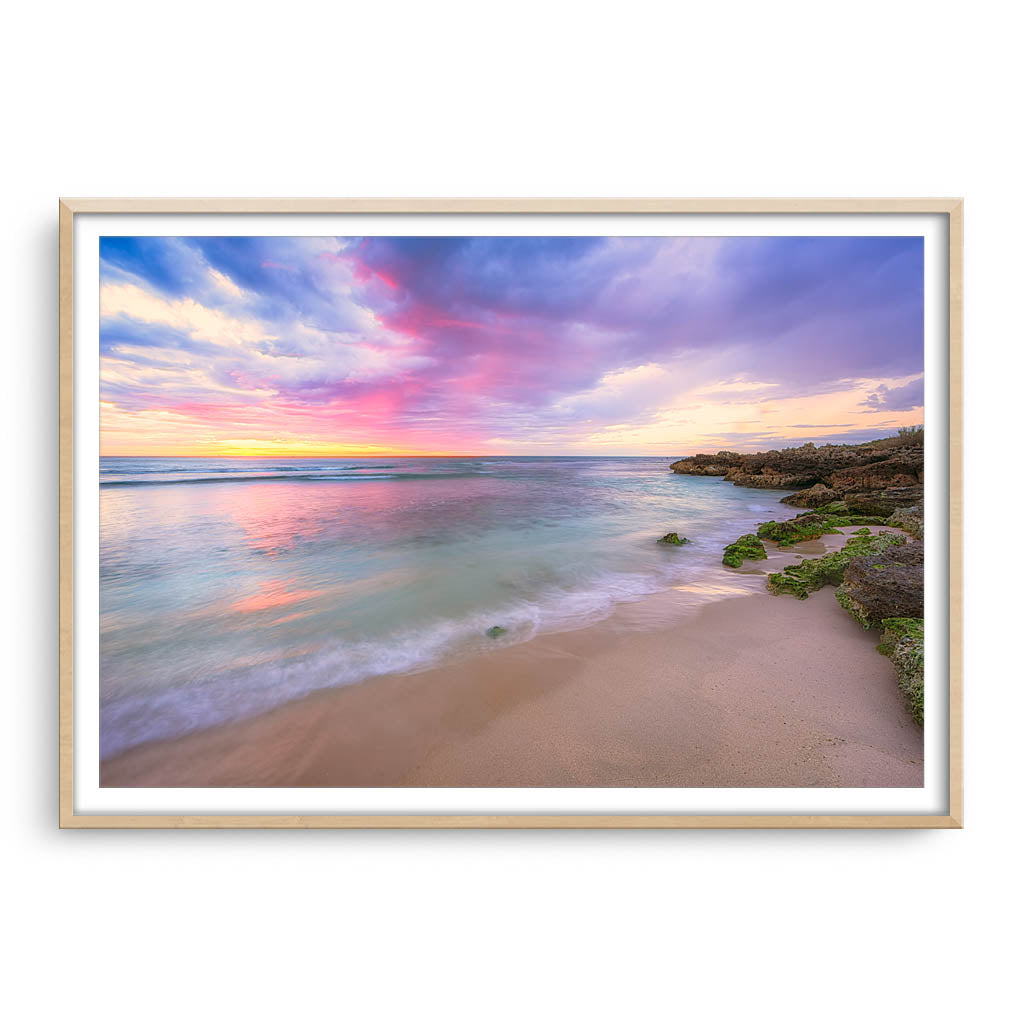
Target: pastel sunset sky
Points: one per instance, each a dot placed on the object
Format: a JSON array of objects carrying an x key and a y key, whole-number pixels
[{"x": 506, "y": 345}]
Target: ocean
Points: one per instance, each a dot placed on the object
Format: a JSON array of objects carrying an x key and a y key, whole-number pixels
[{"x": 230, "y": 586}]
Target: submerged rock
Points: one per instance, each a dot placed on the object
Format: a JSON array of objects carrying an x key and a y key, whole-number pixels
[
  {"x": 673, "y": 538},
  {"x": 747, "y": 547},
  {"x": 903, "y": 644},
  {"x": 883, "y": 586},
  {"x": 495, "y": 631}
]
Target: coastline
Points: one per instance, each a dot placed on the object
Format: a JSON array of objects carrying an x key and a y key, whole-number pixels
[{"x": 747, "y": 689}]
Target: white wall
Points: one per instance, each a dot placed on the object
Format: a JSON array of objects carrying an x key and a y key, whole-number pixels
[{"x": 529, "y": 99}]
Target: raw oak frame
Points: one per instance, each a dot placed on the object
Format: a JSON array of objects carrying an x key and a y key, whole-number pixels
[{"x": 951, "y": 207}]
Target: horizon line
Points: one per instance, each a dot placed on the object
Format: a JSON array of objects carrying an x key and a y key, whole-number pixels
[{"x": 400, "y": 455}]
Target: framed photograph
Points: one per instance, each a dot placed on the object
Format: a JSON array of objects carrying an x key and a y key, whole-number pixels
[{"x": 511, "y": 513}]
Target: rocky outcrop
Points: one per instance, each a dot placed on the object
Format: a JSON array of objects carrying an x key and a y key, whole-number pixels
[
  {"x": 879, "y": 488},
  {"x": 810, "y": 526},
  {"x": 909, "y": 519},
  {"x": 812, "y": 497},
  {"x": 879, "y": 578},
  {"x": 804, "y": 578},
  {"x": 903, "y": 468},
  {"x": 889, "y": 585},
  {"x": 674, "y": 538},
  {"x": 880, "y": 581},
  {"x": 708, "y": 465},
  {"x": 885, "y": 501},
  {"x": 873, "y": 479},
  {"x": 748, "y": 547},
  {"x": 903, "y": 644}
]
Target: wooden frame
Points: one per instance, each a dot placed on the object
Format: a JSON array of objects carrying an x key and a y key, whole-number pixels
[{"x": 952, "y": 208}]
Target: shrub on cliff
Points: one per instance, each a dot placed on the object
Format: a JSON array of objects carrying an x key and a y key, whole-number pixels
[{"x": 905, "y": 437}]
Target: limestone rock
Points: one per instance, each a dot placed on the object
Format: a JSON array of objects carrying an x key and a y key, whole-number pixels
[
  {"x": 873, "y": 479},
  {"x": 812, "y": 497},
  {"x": 885, "y": 586}
]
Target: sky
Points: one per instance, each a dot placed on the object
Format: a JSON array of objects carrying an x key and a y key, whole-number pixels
[{"x": 235, "y": 346}]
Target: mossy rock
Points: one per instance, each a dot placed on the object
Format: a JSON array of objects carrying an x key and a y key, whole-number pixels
[
  {"x": 887, "y": 585},
  {"x": 833, "y": 508},
  {"x": 495, "y": 631},
  {"x": 903, "y": 644},
  {"x": 811, "y": 526},
  {"x": 857, "y": 521},
  {"x": 746, "y": 548},
  {"x": 674, "y": 538},
  {"x": 808, "y": 526},
  {"x": 909, "y": 519},
  {"x": 804, "y": 578}
]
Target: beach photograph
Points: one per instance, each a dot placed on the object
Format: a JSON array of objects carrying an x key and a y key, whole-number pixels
[
  {"x": 511, "y": 511},
  {"x": 479, "y": 478}
]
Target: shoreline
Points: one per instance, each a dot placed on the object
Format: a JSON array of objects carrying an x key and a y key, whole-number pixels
[{"x": 658, "y": 694}]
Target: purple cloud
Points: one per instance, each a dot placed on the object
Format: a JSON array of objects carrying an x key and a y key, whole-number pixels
[
  {"x": 904, "y": 398},
  {"x": 513, "y": 337}
]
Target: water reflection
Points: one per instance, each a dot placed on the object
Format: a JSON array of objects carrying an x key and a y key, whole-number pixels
[{"x": 254, "y": 590}]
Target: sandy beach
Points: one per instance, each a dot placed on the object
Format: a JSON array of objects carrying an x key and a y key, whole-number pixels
[{"x": 745, "y": 689}]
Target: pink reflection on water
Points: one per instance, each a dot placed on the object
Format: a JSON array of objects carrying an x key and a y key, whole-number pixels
[
  {"x": 274, "y": 516},
  {"x": 288, "y": 618},
  {"x": 273, "y": 594}
]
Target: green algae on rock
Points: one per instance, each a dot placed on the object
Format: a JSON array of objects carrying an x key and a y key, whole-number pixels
[
  {"x": 886, "y": 585},
  {"x": 833, "y": 508},
  {"x": 804, "y": 578},
  {"x": 674, "y": 538},
  {"x": 903, "y": 644},
  {"x": 811, "y": 526},
  {"x": 910, "y": 519},
  {"x": 495, "y": 631},
  {"x": 747, "y": 547}
]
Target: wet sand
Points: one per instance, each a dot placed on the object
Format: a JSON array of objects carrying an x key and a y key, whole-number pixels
[{"x": 743, "y": 690}]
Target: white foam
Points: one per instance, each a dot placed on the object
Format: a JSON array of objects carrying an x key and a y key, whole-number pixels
[{"x": 240, "y": 693}]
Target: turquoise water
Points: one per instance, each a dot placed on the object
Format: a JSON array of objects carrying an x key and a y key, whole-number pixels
[{"x": 228, "y": 587}]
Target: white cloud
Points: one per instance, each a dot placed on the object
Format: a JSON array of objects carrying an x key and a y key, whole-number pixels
[
  {"x": 123, "y": 299},
  {"x": 225, "y": 284}
]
